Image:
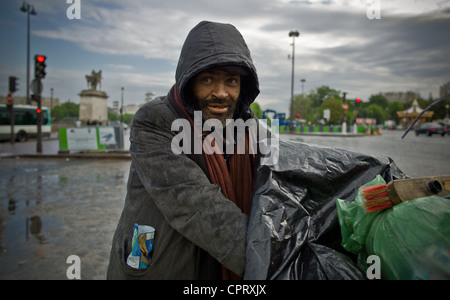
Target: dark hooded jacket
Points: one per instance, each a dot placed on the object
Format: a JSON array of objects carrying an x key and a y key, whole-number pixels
[{"x": 197, "y": 229}]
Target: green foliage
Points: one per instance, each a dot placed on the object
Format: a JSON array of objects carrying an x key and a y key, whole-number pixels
[
  {"x": 256, "y": 109},
  {"x": 311, "y": 106},
  {"x": 65, "y": 110},
  {"x": 439, "y": 109},
  {"x": 379, "y": 100},
  {"x": 377, "y": 112},
  {"x": 127, "y": 118}
]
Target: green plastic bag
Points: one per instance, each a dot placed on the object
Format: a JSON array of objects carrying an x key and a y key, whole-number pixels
[{"x": 412, "y": 239}]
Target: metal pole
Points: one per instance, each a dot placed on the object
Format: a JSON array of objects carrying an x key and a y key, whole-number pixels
[
  {"x": 39, "y": 123},
  {"x": 121, "y": 109},
  {"x": 291, "y": 114},
  {"x": 12, "y": 119},
  {"x": 292, "y": 80},
  {"x": 28, "y": 9},
  {"x": 121, "y": 125},
  {"x": 28, "y": 56},
  {"x": 51, "y": 100}
]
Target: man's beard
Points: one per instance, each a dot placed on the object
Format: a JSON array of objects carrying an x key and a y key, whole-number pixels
[{"x": 206, "y": 114}]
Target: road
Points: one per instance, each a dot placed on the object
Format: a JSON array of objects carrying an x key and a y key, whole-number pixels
[{"x": 416, "y": 156}]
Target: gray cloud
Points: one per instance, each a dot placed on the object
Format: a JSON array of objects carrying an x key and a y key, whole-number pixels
[{"x": 407, "y": 49}]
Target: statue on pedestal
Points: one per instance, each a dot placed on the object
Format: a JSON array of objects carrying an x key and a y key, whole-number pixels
[
  {"x": 94, "y": 79},
  {"x": 93, "y": 102}
]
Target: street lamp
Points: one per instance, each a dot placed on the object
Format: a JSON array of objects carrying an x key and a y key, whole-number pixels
[
  {"x": 121, "y": 123},
  {"x": 121, "y": 109},
  {"x": 292, "y": 34},
  {"x": 447, "y": 106},
  {"x": 29, "y": 9},
  {"x": 303, "y": 86}
]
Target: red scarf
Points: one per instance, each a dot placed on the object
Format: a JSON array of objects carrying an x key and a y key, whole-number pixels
[{"x": 236, "y": 183}]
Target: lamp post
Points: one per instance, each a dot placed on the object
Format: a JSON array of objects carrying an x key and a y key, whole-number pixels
[
  {"x": 29, "y": 9},
  {"x": 447, "y": 106},
  {"x": 303, "y": 86},
  {"x": 292, "y": 34},
  {"x": 121, "y": 124}
]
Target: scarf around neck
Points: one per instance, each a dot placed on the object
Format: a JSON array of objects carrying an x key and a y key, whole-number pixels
[{"x": 234, "y": 180}]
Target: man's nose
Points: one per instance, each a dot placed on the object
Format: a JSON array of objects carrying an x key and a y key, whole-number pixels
[{"x": 220, "y": 90}]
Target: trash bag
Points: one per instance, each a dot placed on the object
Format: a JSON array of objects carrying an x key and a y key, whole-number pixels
[
  {"x": 293, "y": 230},
  {"x": 411, "y": 239}
]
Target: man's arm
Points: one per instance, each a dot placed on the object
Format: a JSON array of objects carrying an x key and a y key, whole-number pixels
[{"x": 190, "y": 203}]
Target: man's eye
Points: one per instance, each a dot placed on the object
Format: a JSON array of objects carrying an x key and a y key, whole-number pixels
[
  {"x": 233, "y": 81},
  {"x": 206, "y": 79}
]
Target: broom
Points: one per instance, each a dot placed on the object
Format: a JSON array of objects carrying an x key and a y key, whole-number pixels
[{"x": 383, "y": 196}]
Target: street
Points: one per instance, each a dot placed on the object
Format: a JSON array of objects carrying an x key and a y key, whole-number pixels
[
  {"x": 52, "y": 208},
  {"x": 416, "y": 156}
]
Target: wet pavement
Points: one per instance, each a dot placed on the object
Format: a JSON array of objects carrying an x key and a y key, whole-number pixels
[
  {"x": 416, "y": 156},
  {"x": 52, "y": 208}
]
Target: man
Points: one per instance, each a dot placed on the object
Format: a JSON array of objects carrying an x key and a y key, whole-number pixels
[{"x": 198, "y": 203}]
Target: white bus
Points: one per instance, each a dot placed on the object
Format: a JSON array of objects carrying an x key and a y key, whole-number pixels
[{"x": 25, "y": 122}]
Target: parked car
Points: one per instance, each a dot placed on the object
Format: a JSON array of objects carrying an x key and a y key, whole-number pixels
[{"x": 431, "y": 128}]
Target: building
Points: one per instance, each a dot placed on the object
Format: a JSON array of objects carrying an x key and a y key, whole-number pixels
[
  {"x": 48, "y": 102},
  {"x": 444, "y": 90},
  {"x": 403, "y": 97}
]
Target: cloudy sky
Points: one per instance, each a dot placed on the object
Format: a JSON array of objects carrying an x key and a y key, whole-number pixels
[{"x": 362, "y": 47}]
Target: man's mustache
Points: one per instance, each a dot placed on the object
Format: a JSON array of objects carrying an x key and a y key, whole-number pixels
[{"x": 226, "y": 101}]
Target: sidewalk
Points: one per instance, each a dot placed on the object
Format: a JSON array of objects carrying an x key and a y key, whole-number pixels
[{"x": 50, "y": 149}]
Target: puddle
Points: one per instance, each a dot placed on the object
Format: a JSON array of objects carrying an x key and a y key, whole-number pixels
[{"x": 50, "y": 210}]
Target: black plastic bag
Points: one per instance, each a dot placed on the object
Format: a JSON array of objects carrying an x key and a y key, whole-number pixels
[{"x": 293, "y": 230}]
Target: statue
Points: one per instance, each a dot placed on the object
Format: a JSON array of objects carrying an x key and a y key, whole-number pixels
[
  {"x": 94, "y": 79},
  {"x": 93, "y": 102}
]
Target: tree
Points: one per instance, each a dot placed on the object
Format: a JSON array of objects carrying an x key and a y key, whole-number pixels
[
  {"x": 257, "y": 110},
  {"x": 377, "y": 112},
  {"x": 65, "y": 110},
  {"x": 393, "y": 108},
  {"x": 334, "y": 104},
  {"x": 322, "y": 93},
  {"x": 379, "y": 100}
]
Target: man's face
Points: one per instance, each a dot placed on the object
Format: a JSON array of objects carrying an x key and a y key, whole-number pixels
[{"x": 217, "y": 92}]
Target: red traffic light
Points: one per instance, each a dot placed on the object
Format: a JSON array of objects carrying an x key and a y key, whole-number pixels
[
  {"x": 298, "y": 115},
  {"x": 40, "y": 58},
  {"x": 358, "y": 100},
  {"x": 38, "y": 111}
]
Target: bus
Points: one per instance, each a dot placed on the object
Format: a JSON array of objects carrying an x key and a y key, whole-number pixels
[{"x": 25, "y": 122}]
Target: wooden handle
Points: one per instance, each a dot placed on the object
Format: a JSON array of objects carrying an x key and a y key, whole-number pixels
[{"x": 407, "y": 189}]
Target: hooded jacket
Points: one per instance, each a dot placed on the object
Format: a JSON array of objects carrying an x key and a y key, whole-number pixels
[{"x": 197, "y": 229}]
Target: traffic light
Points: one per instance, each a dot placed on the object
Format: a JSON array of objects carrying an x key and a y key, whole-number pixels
[
  {"x": 358, "y": 100},
  {"x": 12, "y": 84},
  {"x": 298, "y": 115},
  {"x": 39, "y": 66}
]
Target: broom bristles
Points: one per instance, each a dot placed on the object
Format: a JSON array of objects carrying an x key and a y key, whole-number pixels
[{"x": 376, "y": 197}]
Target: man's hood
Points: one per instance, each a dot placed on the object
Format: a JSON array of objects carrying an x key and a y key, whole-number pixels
[{"x": 214, "y": 44}]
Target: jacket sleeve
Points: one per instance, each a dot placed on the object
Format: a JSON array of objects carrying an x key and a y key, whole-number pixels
[{"x": 190, "y": 203}]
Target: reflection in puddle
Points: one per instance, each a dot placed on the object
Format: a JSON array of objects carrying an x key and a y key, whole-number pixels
[
  {"x": 52, "y": 209},
  {"x": 34, "y": 226}
]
